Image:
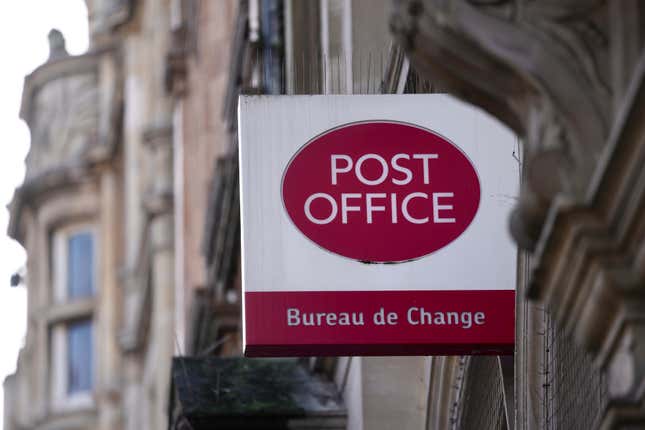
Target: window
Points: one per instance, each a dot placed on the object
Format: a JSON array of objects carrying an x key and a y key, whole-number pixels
[
  {"x": 80, "y": 265},
  {"x": 79, "y": 356},
  {"x": 72, "y": 329},
  {"x": 73, "y": 260}
]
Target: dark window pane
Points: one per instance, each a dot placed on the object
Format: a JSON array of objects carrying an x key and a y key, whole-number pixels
[
  {"x": 79, "y": 356},
  {"x": 80, "y": 265}
]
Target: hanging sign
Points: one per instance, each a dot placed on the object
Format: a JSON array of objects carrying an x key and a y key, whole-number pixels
[{"x": 375, "y": 225}]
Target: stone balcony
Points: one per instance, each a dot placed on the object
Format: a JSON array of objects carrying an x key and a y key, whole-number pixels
[{"x": 72, "y": 105}]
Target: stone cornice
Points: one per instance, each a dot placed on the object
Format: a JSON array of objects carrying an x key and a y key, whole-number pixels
[
  {"x": 32, "y": 192},
  {"x": 591, "y": 262},
  {"x": 538, "y": 67},
  {"x": 606, "y": 219}
]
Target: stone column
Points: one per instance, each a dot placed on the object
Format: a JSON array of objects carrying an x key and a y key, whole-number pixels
[
  {"x": 394, "y": 393},
  {"x": 383, "y": 393},
  {"x": 163, "y": 278},
  {"x": 40, "y": 253},
  {"x": 159, "y": 205},
  {"x": 107, "y": 315}
]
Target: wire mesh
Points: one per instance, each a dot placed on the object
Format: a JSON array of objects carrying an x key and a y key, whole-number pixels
[
  {"x": 482, "y": 396},
  {"x": 574, "y": 391},
  {"x": 321, "y": 72}
]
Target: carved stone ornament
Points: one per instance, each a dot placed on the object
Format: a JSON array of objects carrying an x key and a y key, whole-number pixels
[
  {"x": 105, "y": 15},
  {"x": 74, "y": 116},
  {"x": 57, "y": 48},
  {"x": 63, "y": 122},
  {"x": 158, "y": 168},
  {"x": 569, "y": 77},
  {"x": 61, "y": 106},
  {"x": 540, "y": 67}
]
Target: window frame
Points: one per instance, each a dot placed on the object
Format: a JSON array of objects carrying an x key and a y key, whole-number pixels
[
  {"x": 60, "y": 259},
  {"x": 343, "y": 59},
  {"x": 61, "y": 399},
  {"x": 66, "y": 310}
]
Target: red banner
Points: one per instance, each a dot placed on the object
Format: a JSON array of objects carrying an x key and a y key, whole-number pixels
[{"x": 379, "y": 323}]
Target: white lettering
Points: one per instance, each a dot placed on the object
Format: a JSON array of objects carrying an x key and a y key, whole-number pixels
[
  {"x": 439, "y": 319},
  {"x": 480, "y": 318},
  {"x": 344, "y": 207},
  {"x": 419, "y": 316},
  {"x": 392, "y": 318},
  {"x": 371, "y": 208},
  {"x": 293, "y": 317},
  {"x": 379, "y": 317},
  {"x": 404, "y": 208},
  {"x": 343, "y": 318},
  {"x": 426, "y": 167},
  {"x": 331, "y": 319},
  {"x": 409, "y": 316},
  {"x": 466, "y": 319},
  {"x": 357, "y": 318},
  {"x": 378, "y": 202},
  {"x": 426, "y": 317},
  {"x": 453, "y": 317},
  {"x": 335, "y": 170},
  {"x": 330, "y": 199},
  {"x": 407, "y": 172},
  {"x": 308, "y": 319},
  {"x": 414, "y": 316},
  {"x": 436, "y": 207},
  {"x": 319, "y": 317},
  {"x": 359, "y": 173}
]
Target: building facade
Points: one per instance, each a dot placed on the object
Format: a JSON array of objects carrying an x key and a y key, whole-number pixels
[
  {"x": 130, "y": 214},
  {"x": 568, "y": 77},
  {"x": 95, "y": 215}
]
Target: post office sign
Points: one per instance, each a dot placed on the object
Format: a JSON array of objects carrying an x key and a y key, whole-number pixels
[{"x": 376, "y": 225}]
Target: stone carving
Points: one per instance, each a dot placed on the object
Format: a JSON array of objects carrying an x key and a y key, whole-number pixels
[
  {"x": 61, "y": 106},
  {"x": 57, "y": 47},
  {"x": 158, "y": 169},
  {"x": 63, "y": 122},
  {"x": 107, "y": 14},
  {"x": 541, "y": 67}
]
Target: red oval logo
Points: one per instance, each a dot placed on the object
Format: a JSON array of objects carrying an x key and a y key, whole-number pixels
[{"x": 381, "y": 191}]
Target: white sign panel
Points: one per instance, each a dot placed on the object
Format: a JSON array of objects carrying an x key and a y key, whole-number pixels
[{"x": 376, "y": 225}]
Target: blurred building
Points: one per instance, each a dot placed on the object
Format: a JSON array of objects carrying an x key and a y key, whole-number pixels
[
  {"x": 130, "y": 214},
  {"x": 569, "y": 77},
  {"x": 95, "y": 215}
]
